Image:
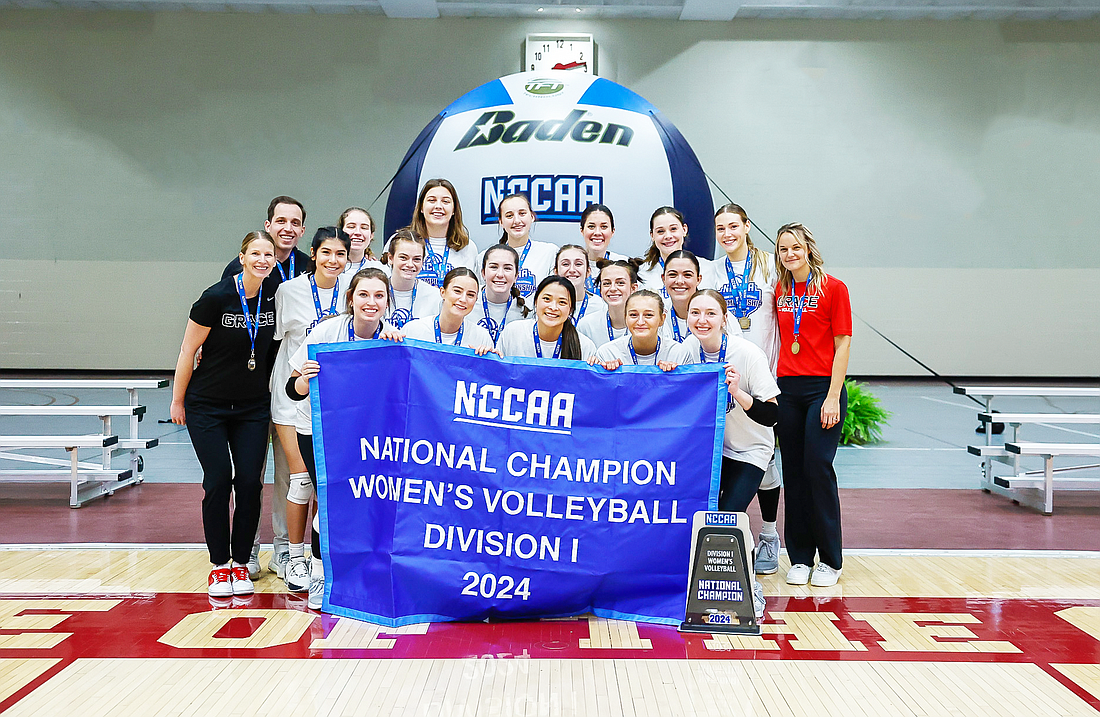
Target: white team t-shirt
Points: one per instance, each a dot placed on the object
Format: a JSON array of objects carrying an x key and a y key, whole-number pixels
[
  {"x": 620, "y": 349},
  {"x": 745, "y": 440},
  {"x": 595, "y": 327},
  {"x": 651, "y": 279},
  {"x": 759, "y": 302},
  {"x": 593, "y": 270},
  {"x": 472, "y": 334},
  {"x": 518, "y": 340},
  {"x": 327, "y": 332},
  {"x": 538, "y": 264},
  {"x": 295, "y": 315},
  {"x": 495, "y": 317},
  {"x": 354, "y": 267},
  {"x": 674, "y": 323},
  {"x": 588, "y": 304},
  {"x": 435, "y": 269},
  {"x": 423, "y": 300}
]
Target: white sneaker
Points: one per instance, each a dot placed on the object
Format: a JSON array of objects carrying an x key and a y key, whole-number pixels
[
  {"x": 254, "y": 568},
  {"x": 767, "y": 554},
  {"x": 758, "y": 603},
  {"x": 798, "y": 574},
  {"x": 297, "y": 575},
  {"x": 824, "y": 576},
  {"x": 219, "y": 584},
  {"x": 242, "y": 584},
  {"x": 316, "y": 592},
  {"x": 278, "y": 563}
]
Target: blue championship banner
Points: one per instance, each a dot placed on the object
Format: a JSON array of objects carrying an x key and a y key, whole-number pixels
[{"x": 458, "y": 487}]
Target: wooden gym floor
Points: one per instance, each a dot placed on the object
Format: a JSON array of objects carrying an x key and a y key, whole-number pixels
[
  {"x": 103, "y": 611},
  {"x": 130, "y": 631}
]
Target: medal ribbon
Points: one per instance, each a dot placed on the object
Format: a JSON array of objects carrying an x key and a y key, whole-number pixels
[
  {"x": 633, "y": 355},
  {"x": 351, "y": 329},
  {"x": 439, "y": 333},
  {"x": 440, "y": 266},
  {"x": 253, "y": 323},
  {"x": 495, "y": 335},
  {"x": 676, "y": 327},
  {"x": 280, "y": 267},
  {"x": 721, "y": 352},
  {"x": 610, "y": 329},
  {"x": 317, "y": 297},
  {"x": 742, "y": 287},
  {"x": 538, "y": 343},
  {"x": 798, "y": 305},
  {"x": 584, "y": 307}
]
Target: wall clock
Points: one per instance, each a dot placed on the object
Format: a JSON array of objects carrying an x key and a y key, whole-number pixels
[{"x": 575, "y": 52}]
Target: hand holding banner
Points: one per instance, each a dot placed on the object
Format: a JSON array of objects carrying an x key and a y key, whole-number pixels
[{"x": 456, "y": 487}]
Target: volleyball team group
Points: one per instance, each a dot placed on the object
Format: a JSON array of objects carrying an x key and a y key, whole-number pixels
[{"x": 777, "y": 322}]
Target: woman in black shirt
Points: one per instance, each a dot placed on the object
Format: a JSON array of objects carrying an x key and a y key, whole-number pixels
[{"x": 226, "y": 405}]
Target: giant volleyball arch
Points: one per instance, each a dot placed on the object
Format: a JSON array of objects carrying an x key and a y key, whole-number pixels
[{"x": 566, "y": 140}]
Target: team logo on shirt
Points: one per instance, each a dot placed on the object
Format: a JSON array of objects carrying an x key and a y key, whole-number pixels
[
  {"x": 326, "y": 315},
  {"x": 784, "y": 303},
  {"x": 489, "y": 324},
  {"x": 525, "y": 282},
  {"x": 752, "y": 302},
  {"x": 434, "y": 270},
  {"x": 400, "y": 317},
  {"x": 238, "y": 321}
]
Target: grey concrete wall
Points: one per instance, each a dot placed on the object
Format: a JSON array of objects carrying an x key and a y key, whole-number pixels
[{"x": 948, "y": 170}]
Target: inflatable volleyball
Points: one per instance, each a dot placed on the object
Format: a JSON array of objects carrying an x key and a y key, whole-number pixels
[{"x": 566, "y": 140}]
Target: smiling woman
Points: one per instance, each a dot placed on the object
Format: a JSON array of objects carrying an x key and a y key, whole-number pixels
[
  {"x": 301, "y": 304},
  {"x": 815, "y": 330},
  {"x": 551, "y": 334},
  {"x": 366, "y": 300},
  {"x": 454, "y": 326},
  {"x": 226, "y": 406}
]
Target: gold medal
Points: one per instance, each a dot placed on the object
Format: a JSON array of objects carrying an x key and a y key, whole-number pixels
[
  {"x": 794, "y": 347},
  {"x": 745, "y": 322},
  {"x": 252, "y": 363}
]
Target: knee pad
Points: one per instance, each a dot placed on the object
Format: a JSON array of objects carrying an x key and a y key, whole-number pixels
[
  {"x": 300, "y": 491},
  {"x": 771, "y": 478},
  {"x": 317, "y": 522}
]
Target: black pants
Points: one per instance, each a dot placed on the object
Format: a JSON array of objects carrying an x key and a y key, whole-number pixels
[
  {"x": 230, "y": 441},
  {"x": 739, "y": 483},
  {"x": 812, "y": 521},
  {"x": 305, "y": 447}
]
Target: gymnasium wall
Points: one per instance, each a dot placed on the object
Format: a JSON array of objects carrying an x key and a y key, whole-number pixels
[{"x": 948, "y": 170}]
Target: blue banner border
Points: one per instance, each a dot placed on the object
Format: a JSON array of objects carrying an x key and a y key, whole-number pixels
[{"x": 322, "y": 476}]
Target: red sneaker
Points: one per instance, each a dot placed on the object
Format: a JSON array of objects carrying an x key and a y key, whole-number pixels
[
  {"x": 242, "y": 584},
  {"x": 220, "y": 584}
]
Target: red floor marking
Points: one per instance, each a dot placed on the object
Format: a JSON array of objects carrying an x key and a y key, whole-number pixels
[{"x": 132, "y": 630}]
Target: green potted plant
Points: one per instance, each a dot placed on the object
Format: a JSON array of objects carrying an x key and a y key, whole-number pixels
[{"x": 865, "y": 418}]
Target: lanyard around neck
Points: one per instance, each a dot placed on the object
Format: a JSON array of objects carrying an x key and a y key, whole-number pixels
[
  {"x": 439, "y": 333},
  {"x": 282, "y": 273},
  {"x": 634, "y": 355},
  {"x": 317, "y": 297},
  {"x": 538, "y": 343}
]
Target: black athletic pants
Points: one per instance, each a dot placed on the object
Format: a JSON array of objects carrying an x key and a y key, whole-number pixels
[
  {"x": 305, "y": 447},
  {"x": 230, "y": 441},
  {"x": 739, "y": 483},
  {"x": 812, "y": 520}
]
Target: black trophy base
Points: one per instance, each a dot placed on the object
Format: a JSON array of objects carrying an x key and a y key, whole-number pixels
[{"x": 748, "y": 628}]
